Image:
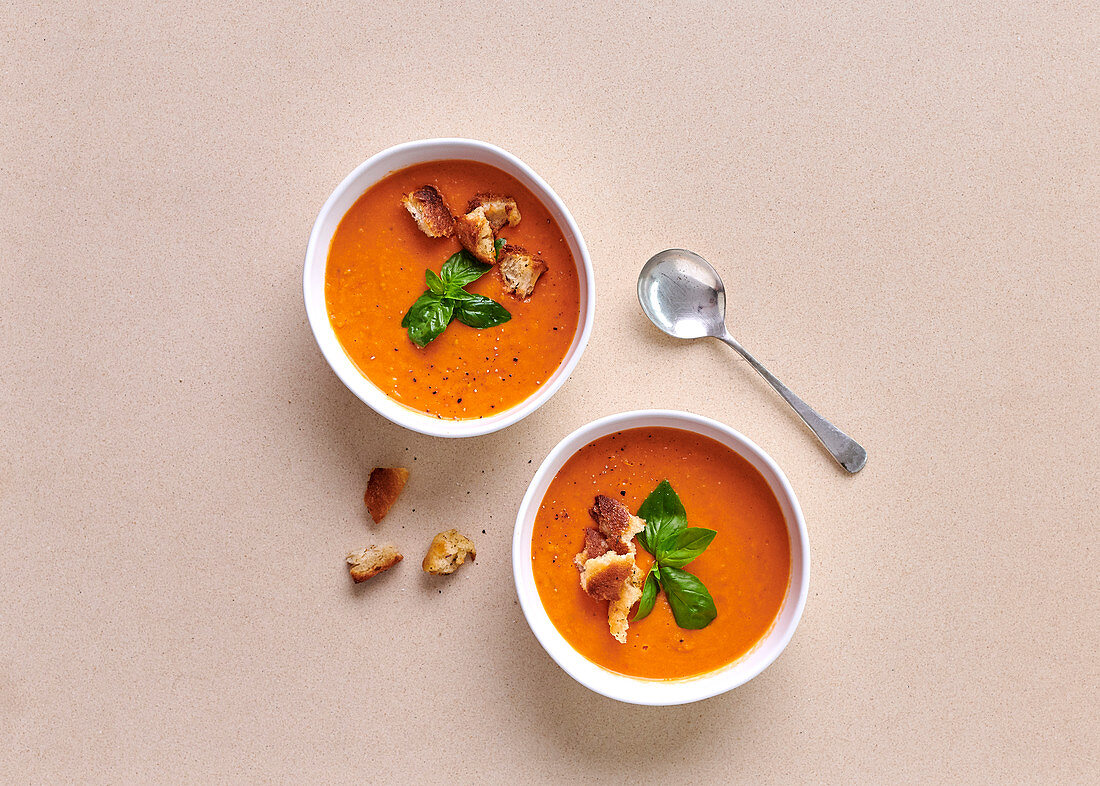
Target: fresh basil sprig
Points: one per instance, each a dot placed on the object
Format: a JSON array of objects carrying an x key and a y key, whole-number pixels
[
  {"x": 446, "y": 300},
  {"x": 673, "y": 545}
]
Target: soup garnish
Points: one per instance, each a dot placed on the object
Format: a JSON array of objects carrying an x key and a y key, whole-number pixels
[
  {"x": 447, "y": 300},
  {"x": 485, "y": 216},
  {"x": 673, "y": 545},
  {"x": 606, "y": 563}
]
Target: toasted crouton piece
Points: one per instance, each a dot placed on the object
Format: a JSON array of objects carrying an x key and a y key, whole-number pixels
[
  {"x": 616, "y": 523},
  {"x": 519, "y": 270},
  {"x": 606, "y": 562},
  {"x": 430, "y": 212},
  {"x": 476, "y": 235},
  {"x": 500, "y": 211},
  {"x": 618, "y": 611},
  {"x": 603, "y": 577},
  {"x": 383, "y": 488},
  {"x": 371, "y": 561},
  {"x": 595, "y": 545},
  {"x": 448, "y": 550}
]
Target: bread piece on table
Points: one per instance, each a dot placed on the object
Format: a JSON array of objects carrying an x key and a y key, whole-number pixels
[
  {"x": 383, "y": 488},
  {"x": 500, "y": 211},
  {"x": 371, "y": 561},
  {"x": 448, "y": 550},
  {"x": 519, "y": 270},
  {"x": 430, "y": 211},
  {"x": 618, "y": 611},
  {"x": 475, "y": 233}
]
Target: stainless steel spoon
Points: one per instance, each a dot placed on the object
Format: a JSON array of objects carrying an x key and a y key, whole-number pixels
[{"x": 683, "y": 295}]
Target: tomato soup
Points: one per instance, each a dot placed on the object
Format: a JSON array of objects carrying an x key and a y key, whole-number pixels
[
  {"x": 375, "y": 271},
  {"x": 746, "y": 568}
]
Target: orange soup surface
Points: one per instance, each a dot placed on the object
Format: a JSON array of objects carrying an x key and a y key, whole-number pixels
[
  {"x": 746, "y": 568},
  {"x": 375, "y": 271}
]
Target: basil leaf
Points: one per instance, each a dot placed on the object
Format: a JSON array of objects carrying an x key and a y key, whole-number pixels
[
  {"x": 679, "y": 547},
  {"x": 649, "y": 597},
  {"x": 421, "y": 303},
  {"x": 461, "y": 294},
  {"x": 692, "y": 605},
  {"x": 428, "y": 317},
  {"x": 435, "y": 283},
  {"x": 662, "y": 511},
  {"x": 500, "y": 243},
  {"x": 478, "y": 311},
  {"x": 462, "y": 269}
]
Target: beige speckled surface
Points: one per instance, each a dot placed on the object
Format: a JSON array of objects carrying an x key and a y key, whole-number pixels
[{"x": 903, "y": 199}]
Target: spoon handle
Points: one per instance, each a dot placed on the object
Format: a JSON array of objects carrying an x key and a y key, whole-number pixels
[{"x": 848, "y": 453}]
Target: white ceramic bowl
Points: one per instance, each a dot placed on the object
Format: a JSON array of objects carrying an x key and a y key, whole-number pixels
[
  {"x": 367, "y": 174},
  {"x": 635, "y": 690}
]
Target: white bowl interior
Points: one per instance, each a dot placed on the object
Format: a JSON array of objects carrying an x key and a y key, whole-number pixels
[
  {"x": 659, "y": 692},
  {"x": 345, "y": 195}
]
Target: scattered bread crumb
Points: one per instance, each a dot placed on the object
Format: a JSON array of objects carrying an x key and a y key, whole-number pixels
[
  {"x": 519, "y": 270},
  {"x": 430, "y": 211},
  {"x": 475, "y": 233},
  {"x": 383, "y": 488},
  {"x": 371, "y": 561},
  {"x": 448, "y": 550},
  {"x": 499, "y": 211}
]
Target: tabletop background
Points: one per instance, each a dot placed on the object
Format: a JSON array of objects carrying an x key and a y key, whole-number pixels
[{"x": 903, "y": 200}]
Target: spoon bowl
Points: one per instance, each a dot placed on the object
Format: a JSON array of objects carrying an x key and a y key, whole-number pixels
[{"x": 684, "y": 296}]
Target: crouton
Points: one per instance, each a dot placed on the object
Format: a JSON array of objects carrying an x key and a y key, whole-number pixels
[
  {"x": 448, "y": 550},
  {"x": 606, "y": 563},
  {"x": 603, "y": 577},
  {"x": 430, "y": 212},
  {"x": 615, "y": 522},
  {"x": 383, "y": 488},
  {"x": 618, "y": 611},
  {"x": 595, "y": 545},
  {"x": 519, "y": 270},
  {"x": 500, "y": 211},
  {"x": 371, "y": 561},
  {"x": 476, "y": 235}
]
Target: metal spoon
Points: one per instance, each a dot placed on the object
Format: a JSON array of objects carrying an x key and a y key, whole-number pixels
[{"x": 683, "y": 295}]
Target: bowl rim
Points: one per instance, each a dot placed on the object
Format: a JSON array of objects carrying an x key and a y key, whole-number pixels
[
  {"x": 424, "y": 151},
  {"x": 636, "y": 690}
]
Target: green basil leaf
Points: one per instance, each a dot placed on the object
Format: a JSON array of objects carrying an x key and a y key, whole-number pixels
[
  {"x": 679, "y": 547},
  {"x": 435, "y": 283},
  {"x": 500, "y": 243},
  {"x": 428, "y": 317},
  {"x": 462, "y": 269},
  {"x": 478, "y": 311},
  {"x": 461, "y": 294},
  {"x": 649, "y": 597},
  {"x": 421, "y": 303},
  {"x": 663, "y": 512},
  {"x": 692, "y": 605}
]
